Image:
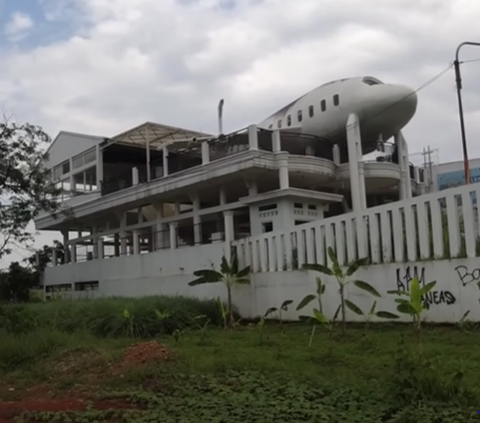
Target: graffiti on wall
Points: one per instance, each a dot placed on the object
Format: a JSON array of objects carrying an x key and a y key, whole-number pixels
[
  {"x": 404, "y": 277},
  {"x": 468, "y": 276}
]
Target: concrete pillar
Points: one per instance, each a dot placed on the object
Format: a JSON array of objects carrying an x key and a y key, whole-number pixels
[
  {"x": 147, "y": 158},
  {"x": 229, "y": 233},
  {"x": 158, "y": 235},
  {"x": 99, "y": 153},
  {"x": 66, "y": 246},
  {"x": 336, "y": 155},
  {"x": 54, "y": 256},
  {"x": 253, "y": 137},
  {"x": 95, "y": 241},
  {"x": 354, "y": 138},
  {"x": 197, "y": 230},
  {"x": 134, "y": 176},
  {"x": 205, "y": 152},
  {"x": 276, "y": 141},
  {"x": 282, "y": 161},
  {"x": 73, "y": 249},
  {"x": 408, "y": 180},
  {"x": 136, "y": 242},
  {"x": 116, "y": 243},
  {"x": 100, "y": 248},
  {"x": 361, "y": 185},
  {"x": 223, "y": 196},
  {"x": 165, "y": 161},
  {"x": 173, "y": 235},
  {"x": 123, "y": 243},
  {"x": 401, "y": 161}
]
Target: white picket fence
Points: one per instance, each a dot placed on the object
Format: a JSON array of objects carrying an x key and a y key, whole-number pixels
[{"x": 435, "y": 226}]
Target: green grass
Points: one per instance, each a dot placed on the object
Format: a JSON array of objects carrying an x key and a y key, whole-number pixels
[{"x": 245, "y": 375}]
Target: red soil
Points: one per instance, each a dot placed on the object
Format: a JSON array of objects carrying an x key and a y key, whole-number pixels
[
  {"x": 143, "y": 353},
  {"x": 11, "y": 409}
]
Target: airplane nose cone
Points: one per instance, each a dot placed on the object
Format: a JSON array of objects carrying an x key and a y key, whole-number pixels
[{"x": 391, "y": 108}]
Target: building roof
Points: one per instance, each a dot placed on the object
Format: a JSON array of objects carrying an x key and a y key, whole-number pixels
[{"x": 155, "y": 134}]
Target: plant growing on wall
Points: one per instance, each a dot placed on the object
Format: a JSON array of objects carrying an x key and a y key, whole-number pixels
[
  {"x": 283, "y": 307},
  {"x": 415, "y": 304},
  {"x": 229, "y": 275},
  {"x": 341, "y": 277}
]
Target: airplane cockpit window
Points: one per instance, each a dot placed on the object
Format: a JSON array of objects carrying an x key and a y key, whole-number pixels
[
  {"x": 323, "y": 105},
  {"x": 289, "y": 120},
  {"x": 310, "y": 111},
  {"x": 370, "y": 80},
  {"x": 336, "y": 100},
  {"x": 299, "y": 115},
  {"x": 270, "y": 126},
  {"x": 279, "y": 123}
]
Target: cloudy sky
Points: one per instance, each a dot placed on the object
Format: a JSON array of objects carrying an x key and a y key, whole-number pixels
[{"x": 102, "y": 66}]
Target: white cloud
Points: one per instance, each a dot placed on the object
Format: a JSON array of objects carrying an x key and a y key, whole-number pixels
[
  {"x": 18, "y": 26},
  {"x": 170, "y": 61}
]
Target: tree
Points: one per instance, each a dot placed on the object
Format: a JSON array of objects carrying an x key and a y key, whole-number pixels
[
  {"x": 26, "y": 186},
  {"x": 228, "y": 274},
  {"x": 15, "y": 284}
]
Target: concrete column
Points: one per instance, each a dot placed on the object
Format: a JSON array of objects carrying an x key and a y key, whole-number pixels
[
  {"x": 361, "y": 185},
  {"x": 54, "y": 256},
  {"x": 158, "y": 240},
  {"x": 100, "y": 248},
  {"x": 223, "y": 196},
  {"x": 95, "y": 241},
  {"x": 165, "y": 161},
  {"x": 253, "y": 137},
  {"x": 401, "y": 161},
  {"x": 336, "y": 155},
  {"x": 229, "y": 233},
  {"x": 99, "y": 153},
  {"x": 136, "y": 242},
  {"x": 66, "y": 246},
  {"x": 123, "y": 243},
  {"x": 134, "y": 176},
  {"x": 73, "y": 249},
  {"x": 116, "y": 242},
  {"x": 173, "y": 235},
  {"x": 149, "y": 170},
  {"x": 205, "y": 152},
  {"x": 197, "y": 230},
  {"x": 353, "y": 138},
  {"x": 276, "y": 141},
  {"x": 282, "y": 161},
  {"x": 408, "y": 180}
]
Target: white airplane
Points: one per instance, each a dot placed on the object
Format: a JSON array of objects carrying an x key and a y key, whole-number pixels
[{"x": 382, "y": 109}]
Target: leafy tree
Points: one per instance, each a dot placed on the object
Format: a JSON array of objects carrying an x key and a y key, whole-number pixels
[
  {"x": 229, "y": 275},
  {"x": 25, "y": 184},
  {"x": 15, "y": 284}
]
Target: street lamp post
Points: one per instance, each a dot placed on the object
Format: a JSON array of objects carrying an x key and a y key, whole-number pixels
[{"x": 458, "y": 79}]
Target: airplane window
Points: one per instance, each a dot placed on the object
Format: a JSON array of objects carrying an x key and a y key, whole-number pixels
[
  {"x": 323, "y": 105},
  {"x": 270, "y": 126},
  {"x": 310, "y": 111},
  {"x": 289, "y": 120},
  {"x": 299, "y": 115},
  {"x": 336, "y": 100},
  {"x": 279, "y": 124},
  {"x": 369, "y": 80}
]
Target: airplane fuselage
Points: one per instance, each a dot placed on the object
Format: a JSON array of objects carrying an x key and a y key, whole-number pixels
[{"x": 382, "y": 109}]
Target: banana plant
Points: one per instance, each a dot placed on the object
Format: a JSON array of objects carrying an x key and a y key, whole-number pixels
[
  {"x": 341, "y": 277},
  {"x": 229, "y": 275},
  {"x": 317, "y": 296},
  {"x": 283, "y": 307},
  {"x": 319, "y": 317},
  {"x": 162, "y": 316},
  {"x": 415, "y": 305},
  {"x": 372, "y": 312}
]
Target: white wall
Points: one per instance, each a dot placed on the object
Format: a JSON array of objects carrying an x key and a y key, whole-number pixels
[
  {"x": 67, "y": 145},
  {"x": 456, "y": 290},
  {"x": 164, "y": 272}
]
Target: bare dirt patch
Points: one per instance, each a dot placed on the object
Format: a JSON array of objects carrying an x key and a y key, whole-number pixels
[{"x": 142, "y": 353}]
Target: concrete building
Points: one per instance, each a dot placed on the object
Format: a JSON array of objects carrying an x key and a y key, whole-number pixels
[{"x": 177, "y": 200}]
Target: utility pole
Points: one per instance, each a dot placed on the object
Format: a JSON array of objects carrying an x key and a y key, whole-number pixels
[
  {"x": 428, "y": 164},
  {"x": 458, "y": 80}
]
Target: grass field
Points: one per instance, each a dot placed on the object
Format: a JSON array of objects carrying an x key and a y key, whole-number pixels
[{"x": 60, "y": 372}]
